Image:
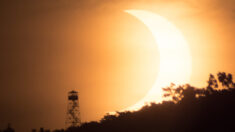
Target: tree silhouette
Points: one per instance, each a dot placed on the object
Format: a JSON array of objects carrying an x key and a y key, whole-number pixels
[
  {"x": 212, "y": 84},
  {"x": 226, "y": 80},
  {"x": 182, "y": 92}
]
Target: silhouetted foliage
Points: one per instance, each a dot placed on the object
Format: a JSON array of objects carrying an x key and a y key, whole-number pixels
[
  {"x": 8, "y": 129},
  {"x": 182, "y": 93},
  {"x": 192, "y": 109},
  {"x": 226, "y": 80}
]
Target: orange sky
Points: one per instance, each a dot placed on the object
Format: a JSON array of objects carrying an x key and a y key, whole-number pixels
[{"x": 94, "y": 47}]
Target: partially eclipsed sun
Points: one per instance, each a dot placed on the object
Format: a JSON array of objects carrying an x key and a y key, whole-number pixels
[{"x": 175, "y": 58}]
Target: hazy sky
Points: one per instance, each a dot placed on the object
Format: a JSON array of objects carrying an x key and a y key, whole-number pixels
[{"x": 48, "y": 47}]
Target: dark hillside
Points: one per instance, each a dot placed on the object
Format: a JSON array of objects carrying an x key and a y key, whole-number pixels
[{"x": 192, "y": 109}]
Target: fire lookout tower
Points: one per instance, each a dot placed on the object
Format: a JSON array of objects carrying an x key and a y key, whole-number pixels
[{"x": 73, "y": 118}]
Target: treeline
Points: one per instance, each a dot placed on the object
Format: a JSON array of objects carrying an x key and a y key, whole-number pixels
[{"x": 192, "y": 109}]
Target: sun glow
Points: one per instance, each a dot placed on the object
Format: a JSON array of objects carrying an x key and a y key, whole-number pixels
[{"x": 175, "y": 58}]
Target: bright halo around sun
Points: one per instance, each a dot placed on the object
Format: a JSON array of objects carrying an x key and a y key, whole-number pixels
[{"x": 175, "y": 57}]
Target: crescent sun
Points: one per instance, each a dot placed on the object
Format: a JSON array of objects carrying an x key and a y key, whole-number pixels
[{"x": 175, "y": 58}]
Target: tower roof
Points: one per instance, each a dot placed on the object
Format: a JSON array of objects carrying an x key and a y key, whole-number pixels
[{"x": 73, "y": 92}]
